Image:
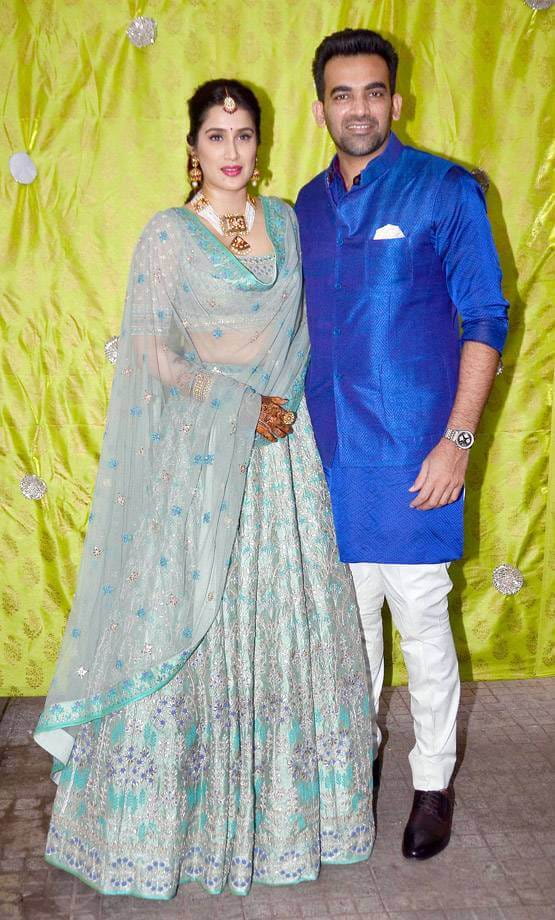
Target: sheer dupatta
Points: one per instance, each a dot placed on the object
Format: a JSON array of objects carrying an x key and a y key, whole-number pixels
[{"x": 201, "y": 340}]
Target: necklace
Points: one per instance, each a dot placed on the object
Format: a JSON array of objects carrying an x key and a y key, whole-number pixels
[{"x": 227, "y": 224}]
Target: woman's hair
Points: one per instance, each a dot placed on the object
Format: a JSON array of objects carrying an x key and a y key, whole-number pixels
[
  {"x": 348, "y": 42},
  {"x": 213, "y": 92}
]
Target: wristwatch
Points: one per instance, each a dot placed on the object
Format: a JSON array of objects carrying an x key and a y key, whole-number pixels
[{"x": 460, "y": 436}]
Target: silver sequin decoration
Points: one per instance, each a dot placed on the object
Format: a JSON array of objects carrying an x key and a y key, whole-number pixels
[
  {"x": 111, "y": 349},
  {"x": 142, "y": 31},
  {"x": 507, "y": 579},
  {"x": 500, "y": 367},
  {"x": 22, "y": 168},
  {"x": 539, "y": 4},
  {"x": 482, "y": 179},
  {"x": 33, "y": 487}
]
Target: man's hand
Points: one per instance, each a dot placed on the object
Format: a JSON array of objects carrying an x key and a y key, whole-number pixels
[{"x": 441, "y": 476}]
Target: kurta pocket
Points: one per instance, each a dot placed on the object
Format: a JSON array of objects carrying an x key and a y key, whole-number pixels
[{"x": 388, "y": 261}]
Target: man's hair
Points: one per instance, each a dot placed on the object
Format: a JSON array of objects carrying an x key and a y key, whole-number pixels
[{"x": 348, "y": 42}]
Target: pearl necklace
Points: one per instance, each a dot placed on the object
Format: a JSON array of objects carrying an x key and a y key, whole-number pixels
[{"x": 227, "y": 224}]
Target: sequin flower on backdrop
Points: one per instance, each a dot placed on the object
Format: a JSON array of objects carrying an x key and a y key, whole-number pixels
[
  {"x": 33, "y": 487},
  {"x": 482, "y": 179},
  {"x": 111, "y": 349},
  {"x": 539, "y": 4},
  {"x": 22, "y": 168},
  {"x": 142, "y": 31},
  {"x": 507, "y": 579}
]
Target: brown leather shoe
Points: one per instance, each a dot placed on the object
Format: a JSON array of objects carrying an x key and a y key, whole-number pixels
[{"x": 429, "y": 826}]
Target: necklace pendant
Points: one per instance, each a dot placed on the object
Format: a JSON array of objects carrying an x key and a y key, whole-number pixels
[
  {"x": 233, "y": 223},
  {"x": 238, "y": 244}
]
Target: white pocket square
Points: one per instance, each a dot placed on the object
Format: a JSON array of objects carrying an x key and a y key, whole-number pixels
[{"x": 389, "y": 232}]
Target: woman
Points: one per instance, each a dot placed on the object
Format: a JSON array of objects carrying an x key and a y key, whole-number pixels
[{"x": 209, "y": 716}]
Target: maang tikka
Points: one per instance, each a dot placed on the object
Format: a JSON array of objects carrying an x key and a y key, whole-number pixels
[{"x": 229, "y": 104}]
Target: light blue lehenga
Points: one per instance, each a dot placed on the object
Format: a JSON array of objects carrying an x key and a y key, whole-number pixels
[{"x": 210, "y": 717}]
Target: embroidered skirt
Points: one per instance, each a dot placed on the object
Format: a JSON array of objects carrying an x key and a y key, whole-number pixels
[{"x": 254, "y": 764}]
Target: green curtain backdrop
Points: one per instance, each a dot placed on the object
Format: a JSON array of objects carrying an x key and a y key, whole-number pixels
[{"x": 105, "y": 124}]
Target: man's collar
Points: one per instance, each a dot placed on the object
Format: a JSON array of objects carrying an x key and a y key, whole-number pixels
[{"x": 373, "y": 170}]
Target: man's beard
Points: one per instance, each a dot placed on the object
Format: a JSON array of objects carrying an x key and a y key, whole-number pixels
[{"x": 361, "y": 146}]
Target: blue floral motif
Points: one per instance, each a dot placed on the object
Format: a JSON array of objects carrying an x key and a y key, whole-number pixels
[
  {"x": 140, "y": 279},
  {"x": 203, "y": 459},
  {"x": 141, "y": 612},
  {"x": 217, "y": 333},
  {"x": 126, "y": 537},
  {"x": 176, "y": 510},
  {"x": 75, "y": 633},
  {"x": 163, "y": 562},
  {"x": 155, "y": 436},
  {"x": 113, "y": 463},
  {"x": 123, "y": 875},
  {"x": 107, "y": 589},
  {"x": 119, "y": 664},
  {"x": 136, "y": 410},
  {"x": 206, "y": 517},
  {"x": 195, "y": 574},
  {"x": 163, "y": 236}
]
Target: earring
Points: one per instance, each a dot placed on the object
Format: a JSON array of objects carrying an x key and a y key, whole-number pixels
[
  {"x": 195, "y": 172},
  {"x": 255, "y": 178}
]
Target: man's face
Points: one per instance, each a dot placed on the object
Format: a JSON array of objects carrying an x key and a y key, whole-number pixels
[{"x": 358, "y": 106}]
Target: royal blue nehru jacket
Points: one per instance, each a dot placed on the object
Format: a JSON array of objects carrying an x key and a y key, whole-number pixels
[{"x": 399, "y": 271}]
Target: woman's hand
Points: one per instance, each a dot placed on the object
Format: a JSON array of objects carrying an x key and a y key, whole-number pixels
[{"x": 274, "y": 421}]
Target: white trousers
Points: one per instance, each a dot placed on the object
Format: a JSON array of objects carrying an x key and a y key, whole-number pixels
[{"x": 417, "y": 598}]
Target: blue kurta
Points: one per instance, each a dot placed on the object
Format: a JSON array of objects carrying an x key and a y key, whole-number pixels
[{"x": 383, "y": 315}]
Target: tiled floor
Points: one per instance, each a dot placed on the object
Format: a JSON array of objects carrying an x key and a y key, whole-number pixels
[{"x": 500, "y": 863}]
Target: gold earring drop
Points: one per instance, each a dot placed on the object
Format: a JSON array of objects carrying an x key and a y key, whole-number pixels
[
  {"x": 255, "y": 178},
  {"x": 195, "y": 172}
]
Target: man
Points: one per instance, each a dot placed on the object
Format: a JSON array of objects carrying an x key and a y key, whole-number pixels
[{"x": 396, "y": 249}]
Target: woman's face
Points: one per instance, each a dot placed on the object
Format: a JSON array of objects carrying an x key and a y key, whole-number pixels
[{"x": 226, "y": 147}]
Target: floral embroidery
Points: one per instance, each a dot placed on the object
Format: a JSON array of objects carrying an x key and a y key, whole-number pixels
[{"x": 203, "y": 459}]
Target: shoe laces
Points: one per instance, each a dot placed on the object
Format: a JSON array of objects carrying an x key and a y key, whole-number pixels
[{"x": 431, "y": 802}]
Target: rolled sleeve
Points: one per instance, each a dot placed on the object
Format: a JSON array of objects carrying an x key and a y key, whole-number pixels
[{"x": 464, "y": 243}]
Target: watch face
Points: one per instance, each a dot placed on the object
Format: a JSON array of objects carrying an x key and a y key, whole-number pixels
[{"x": 465, "y": 439}]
